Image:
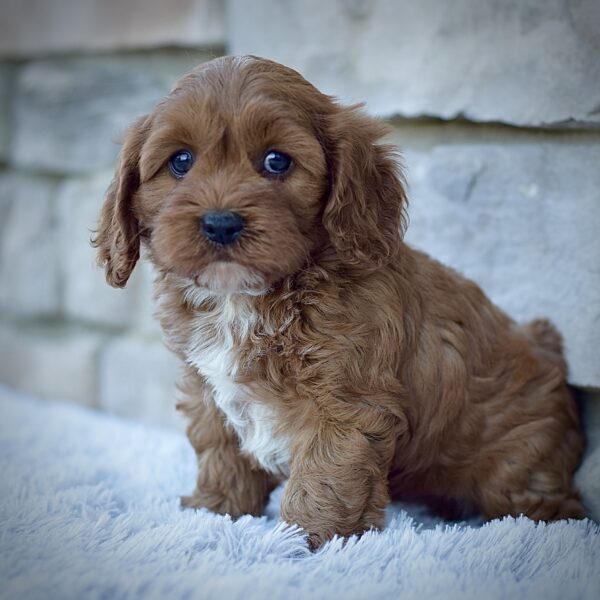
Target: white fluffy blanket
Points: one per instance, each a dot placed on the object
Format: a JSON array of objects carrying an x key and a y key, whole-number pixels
[{"x": 89, "y": 509}]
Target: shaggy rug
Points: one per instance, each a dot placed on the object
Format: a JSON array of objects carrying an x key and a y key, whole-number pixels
[{"x": 89, "y": 509}]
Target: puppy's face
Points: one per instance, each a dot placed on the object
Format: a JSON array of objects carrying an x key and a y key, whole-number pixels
[
  {"x": 235, "y": 180},
  {"x": 232, "y": 179}
]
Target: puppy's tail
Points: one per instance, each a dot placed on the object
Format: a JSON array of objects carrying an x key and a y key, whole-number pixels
[{"x": 545, "y": 335}]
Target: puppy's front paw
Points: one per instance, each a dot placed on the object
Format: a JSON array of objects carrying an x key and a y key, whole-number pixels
[
  {"x": 317, "y": 533},
  {"x": 326, "y": 508},
  {"x": 299, "y": 508},
  {"x": 316, "y": 540}
]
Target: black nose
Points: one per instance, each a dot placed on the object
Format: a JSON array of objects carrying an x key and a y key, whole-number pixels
[{"x": 222, "y": 227}]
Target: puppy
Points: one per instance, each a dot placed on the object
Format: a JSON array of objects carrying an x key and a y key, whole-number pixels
[{"x": 317, "y": 345}]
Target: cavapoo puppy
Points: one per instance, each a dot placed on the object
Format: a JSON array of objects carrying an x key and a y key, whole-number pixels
[{"x": 317, "y": 345}]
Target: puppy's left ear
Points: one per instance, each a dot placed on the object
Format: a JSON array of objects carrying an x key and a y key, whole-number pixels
[
  {"x": 117, "y": 237},
  {"x": 365, "y": 212}
]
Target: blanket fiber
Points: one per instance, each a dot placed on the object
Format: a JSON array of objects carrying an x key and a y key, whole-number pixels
[{"x": 89, "y": 508}]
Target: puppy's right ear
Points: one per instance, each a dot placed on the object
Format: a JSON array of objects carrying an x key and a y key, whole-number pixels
[{"x": 117, "y": 237}]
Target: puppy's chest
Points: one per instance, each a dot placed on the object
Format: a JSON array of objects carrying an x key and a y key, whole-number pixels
[{"x": 215, "y": 350}]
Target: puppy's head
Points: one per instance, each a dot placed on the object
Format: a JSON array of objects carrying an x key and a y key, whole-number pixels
[{"x": 243, "y": 174}]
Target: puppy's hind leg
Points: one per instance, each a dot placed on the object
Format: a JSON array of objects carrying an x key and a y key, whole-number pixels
[
  {"x": 540, "y": 499},
  {"x": 530, "y": 472}
]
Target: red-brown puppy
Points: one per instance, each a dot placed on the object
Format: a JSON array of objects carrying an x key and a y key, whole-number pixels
[{"x": 318, "y": 346}]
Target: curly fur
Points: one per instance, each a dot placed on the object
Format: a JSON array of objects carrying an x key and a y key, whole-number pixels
[{"x": 320, "y": 347}]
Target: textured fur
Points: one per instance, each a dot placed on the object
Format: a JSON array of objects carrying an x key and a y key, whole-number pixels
[
  {"x": 88, "y": 512},
  {"x": 320, "y": 346},
  {"x": 215, "y": 357}
]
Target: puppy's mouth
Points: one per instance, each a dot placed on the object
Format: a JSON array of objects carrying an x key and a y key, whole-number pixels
[{"x": 227, "y": 277}]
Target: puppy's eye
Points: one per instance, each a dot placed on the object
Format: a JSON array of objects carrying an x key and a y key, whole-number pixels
[
  {"x": 180, "y": 163},
  {"x": 276, "y": 163}
]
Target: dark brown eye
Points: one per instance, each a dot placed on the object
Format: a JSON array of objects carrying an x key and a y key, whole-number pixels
[
  {"x": 276, "y": 163},
  {"x": 180, "y": 163}
]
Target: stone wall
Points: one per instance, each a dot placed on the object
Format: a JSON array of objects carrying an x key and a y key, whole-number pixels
[
  {"x": 63, "y": 331},
  {"x": 496, "y": 106},
  {"x": 65, "y": 100}
]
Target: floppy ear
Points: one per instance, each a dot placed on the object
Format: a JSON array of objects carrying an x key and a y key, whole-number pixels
[
  {"x": 117, "y": 238},
  {"x": 365, "y": 212}
]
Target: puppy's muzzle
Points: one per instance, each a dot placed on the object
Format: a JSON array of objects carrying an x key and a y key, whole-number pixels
[{"x": 222, "y": 227}]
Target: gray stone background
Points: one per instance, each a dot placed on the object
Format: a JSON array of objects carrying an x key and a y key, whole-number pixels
[{"x": 495, "y": 104}]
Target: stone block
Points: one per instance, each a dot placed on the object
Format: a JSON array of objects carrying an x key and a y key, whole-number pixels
[
  {"x": 29, "y": 284},
  {"x": 525, "y": 62},
  {"x": 70, "y": 113},
  {"x": 146, "y": 319},
  {"x": 6, "y": 88},
  {"x": 137, "y": 380},
  {"x": 86, "y": 295},
  {"x": 522, "y": 220},
  {"x": 52, "y": 362},
  {"x": 37, "y": 26}
]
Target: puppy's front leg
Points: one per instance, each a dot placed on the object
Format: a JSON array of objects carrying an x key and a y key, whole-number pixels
[
  {"x": 228, "y": 482},
  {"x": 337, "y": 485}
]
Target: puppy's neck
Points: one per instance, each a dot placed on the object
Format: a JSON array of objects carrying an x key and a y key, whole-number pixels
[
  {"x": 225, "y": 278},
  {"x": 204, "y": 298}
]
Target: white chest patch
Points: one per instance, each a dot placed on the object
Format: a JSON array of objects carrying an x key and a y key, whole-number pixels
[{"x": 214, "y": 351}]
